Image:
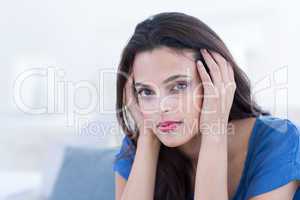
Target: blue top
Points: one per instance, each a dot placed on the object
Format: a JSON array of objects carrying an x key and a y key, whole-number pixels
[{"x": 273, "y": 158}]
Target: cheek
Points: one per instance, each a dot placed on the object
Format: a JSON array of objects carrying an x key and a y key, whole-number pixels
[
  {"x": 197, "y": 98},
  {"x": 147, "y": 116},
  {"x": 191, "y": 102},
  {"x": 190, "y": 110},
  {"x": 149, "y": 106},
  {"x": 151, "y": 119}
]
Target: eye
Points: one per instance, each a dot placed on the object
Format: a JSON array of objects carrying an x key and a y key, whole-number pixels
[
  {"x": 145, "y": 92},
  {"x": 180, "y": 86}
]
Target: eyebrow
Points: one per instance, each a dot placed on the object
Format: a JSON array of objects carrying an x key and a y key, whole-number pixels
[{"x": 171, "y": 78}]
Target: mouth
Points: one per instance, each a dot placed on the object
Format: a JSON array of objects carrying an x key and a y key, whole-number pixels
[{"x": 167, "y": 126}]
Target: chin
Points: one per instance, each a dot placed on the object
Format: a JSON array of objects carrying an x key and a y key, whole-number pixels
[
  {"x": 170, "y": 144},
  {"x": 172, "y": 140}
]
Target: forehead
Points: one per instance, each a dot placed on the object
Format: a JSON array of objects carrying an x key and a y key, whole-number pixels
[{"x": 159, "y": 64}]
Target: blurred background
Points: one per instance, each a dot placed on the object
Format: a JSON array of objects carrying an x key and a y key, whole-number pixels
[{"x": 57, "y": 72}]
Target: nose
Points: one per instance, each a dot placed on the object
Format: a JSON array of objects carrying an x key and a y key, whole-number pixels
[
  {"x": 167, "y": 104},
  {"x": 167, "y": 109}
]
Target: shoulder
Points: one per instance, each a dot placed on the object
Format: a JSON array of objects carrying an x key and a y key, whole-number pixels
[
  {"x": 124, "y": 157},
  {"x": 277, "y": 137},
  {"x": 275, "y": 156}
]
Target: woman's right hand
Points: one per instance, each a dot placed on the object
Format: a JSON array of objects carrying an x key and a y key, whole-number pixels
[{"x": 145, "y": 128}]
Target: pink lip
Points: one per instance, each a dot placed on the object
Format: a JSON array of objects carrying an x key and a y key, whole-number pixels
[{"x": 168, "y": 125}]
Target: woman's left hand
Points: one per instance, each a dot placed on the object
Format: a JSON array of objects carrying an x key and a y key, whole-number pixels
[
  {"x": 218, "y": 93},
  {"x": 213, "y": 121}
]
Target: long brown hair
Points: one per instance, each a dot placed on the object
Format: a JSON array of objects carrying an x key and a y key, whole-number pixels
[{"x": 178, "y": 31}]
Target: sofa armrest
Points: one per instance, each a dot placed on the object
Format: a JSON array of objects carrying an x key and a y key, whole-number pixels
[{"x": 86, "y": 173}]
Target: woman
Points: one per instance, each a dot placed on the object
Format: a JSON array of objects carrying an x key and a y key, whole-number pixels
[{"x": 192, "y": 129}]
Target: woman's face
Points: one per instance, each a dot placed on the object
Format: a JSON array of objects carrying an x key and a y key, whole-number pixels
[{"x": 168, "y": 89}]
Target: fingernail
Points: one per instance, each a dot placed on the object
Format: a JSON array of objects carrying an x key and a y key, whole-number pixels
[{"x": 199, "y": 63}]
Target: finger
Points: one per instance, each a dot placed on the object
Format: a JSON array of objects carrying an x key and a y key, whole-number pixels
[
  {"x": 124, "y": 97},
  {"x": 206, "y": 80},
  {"x": 230, "y": 72},
  {"x": 213, "y": 67},
  {"x": 126, "y": 93},
  {"x": 132, "y": 105},
  {"x": 129, "y": 90},
  {"x": 131, "y": 98},
  {"x": 222, "y": 63}
]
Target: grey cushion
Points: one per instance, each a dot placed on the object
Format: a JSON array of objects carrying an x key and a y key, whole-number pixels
[{"x": 85, "y": 174}]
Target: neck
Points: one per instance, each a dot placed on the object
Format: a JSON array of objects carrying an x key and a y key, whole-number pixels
[{"x": 192, "y": 148}]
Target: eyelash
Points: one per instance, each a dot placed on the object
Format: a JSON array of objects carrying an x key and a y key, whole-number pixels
[
  {"x": 181, "y": 83},
  {"x": 178, "y": 83}
]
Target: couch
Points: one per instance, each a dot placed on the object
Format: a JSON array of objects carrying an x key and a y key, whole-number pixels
[{"x": 85, "y": 174}]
